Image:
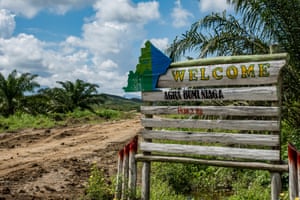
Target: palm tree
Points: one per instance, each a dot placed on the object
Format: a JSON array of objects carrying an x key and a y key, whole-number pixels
[
  {"x": 71, "y": 95},
  {"x": 218, "y": 34},
  {"x": 260, "y": 24},
  {"x": 12, "y": 90}
]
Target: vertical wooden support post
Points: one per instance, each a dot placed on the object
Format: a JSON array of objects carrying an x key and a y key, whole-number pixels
[
  {"x": 125, "y": 173},
  {"x": 293, "y": 179},
  {"x": 132, "y": 169},
  {"x": 146, "y": 180},
  {"x": 146, "y": 170},
  {"x": 275, "y": 185},
  {"x": 298, "y": 172},
  {"x": 119, "y": 175}
]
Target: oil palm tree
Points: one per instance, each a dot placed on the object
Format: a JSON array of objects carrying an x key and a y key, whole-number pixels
[
  {"x": 12, "y": 90},
  {"x": 72, "y": 95},
  {"x": 257, "y": 26}
]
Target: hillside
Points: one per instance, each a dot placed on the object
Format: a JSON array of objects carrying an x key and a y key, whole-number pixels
[{"x": 121, "y": 103}]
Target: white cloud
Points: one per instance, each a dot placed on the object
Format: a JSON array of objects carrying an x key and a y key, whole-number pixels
[
  {"x": 102, "y": 55},
  {"x": 23, "y": 52},
  {"x": 30, "y": 8},
  {"x": 124, "y": 11},
  {"x": 213, "y": 5},
  {"x": 7, "y": 23},
  {"x": 160, "y": 43},
  {"x": 180, "y": 15}
]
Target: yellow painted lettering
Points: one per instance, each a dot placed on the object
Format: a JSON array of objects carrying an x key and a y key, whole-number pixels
[
  {"x": 247, "y": 72},
  {"x": 263, "y": 70},
  {"x": 216, "y": 75},
  {"x": 203, "y": 77},
  {"x": 192, "y": 75},
  {"x": 232, "y": 72},
  {"x": 178, "y": 74}
]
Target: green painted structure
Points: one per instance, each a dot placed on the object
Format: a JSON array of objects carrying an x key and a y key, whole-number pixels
[{"x": 152, "y": 63}]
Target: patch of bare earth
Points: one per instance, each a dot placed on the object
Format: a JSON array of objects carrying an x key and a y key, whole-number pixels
[{"x": 55, "y": 163}]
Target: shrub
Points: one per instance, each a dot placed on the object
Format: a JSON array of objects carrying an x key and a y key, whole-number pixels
[
  {"x": 97, "y": 187},
  {"x": 109, "y": 114}
]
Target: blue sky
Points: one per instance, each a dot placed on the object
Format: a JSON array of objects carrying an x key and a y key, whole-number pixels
[{"x": 97, "y": 41}]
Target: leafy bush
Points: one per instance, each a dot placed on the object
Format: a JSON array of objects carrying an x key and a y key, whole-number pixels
[
  {"x": 161, "y": 190},
  {"x": 97, "y": 187},
  {"x": 22, "y": 120},
  {"x": 251, "y": 184},
  {"x": 109, "y": 114},
  {"x": 208, "y": 182}
]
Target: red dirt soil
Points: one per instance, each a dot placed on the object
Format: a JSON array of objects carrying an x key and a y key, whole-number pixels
[{"x": 55, "y": 163}]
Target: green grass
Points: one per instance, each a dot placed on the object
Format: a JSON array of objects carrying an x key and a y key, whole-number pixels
[{"x": 21, "y": 120}]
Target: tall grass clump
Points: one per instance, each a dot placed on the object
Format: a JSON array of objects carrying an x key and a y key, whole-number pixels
[
  {"x": 98, "y": 188},
  {"x": 22, "y": 120}
]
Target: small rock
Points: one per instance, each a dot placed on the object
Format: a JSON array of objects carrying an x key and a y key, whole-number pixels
[
  {"x": 6, "y": 190},
  {"x": 49, "y": 188}
]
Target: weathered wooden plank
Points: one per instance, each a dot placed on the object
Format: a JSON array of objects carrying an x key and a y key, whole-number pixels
[
  {"x": 212, "y": 110},
  {"x": 264, "y": 93},
  {"x": 226, "y": 152},
  {"x": 259, "y": 125},
  {"x": 222, "y": 138},
  {"x": 251, "y": 73},
  {"x": 220, "y": 163},
  {"x": 231, "y": 59}
]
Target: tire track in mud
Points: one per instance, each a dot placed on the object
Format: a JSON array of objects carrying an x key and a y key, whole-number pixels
[{"x": 55, "y": 163}]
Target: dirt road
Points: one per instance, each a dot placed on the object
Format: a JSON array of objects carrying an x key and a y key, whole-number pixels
[{"x": 55, "y": 163}]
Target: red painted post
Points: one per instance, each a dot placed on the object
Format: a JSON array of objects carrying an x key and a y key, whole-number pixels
[
  {"x": 293, "y": 177},
  {"x": 298, "y": 172},
  {"x": 132, "y": 168},
  {"x": 119, "y": 175}
]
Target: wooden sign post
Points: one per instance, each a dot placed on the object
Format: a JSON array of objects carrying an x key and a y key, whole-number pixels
[{"x": 229, "y": 110}]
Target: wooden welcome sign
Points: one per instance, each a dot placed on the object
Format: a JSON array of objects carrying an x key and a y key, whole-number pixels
[{"x": 228, "y": 112}]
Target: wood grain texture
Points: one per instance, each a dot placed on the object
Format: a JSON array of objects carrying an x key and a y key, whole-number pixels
[
  {"x": 214, "y": 137},
  {"x": 231, "y": 59},
  {"x": 226, "y": 152},
  {"x": 212, "y": 110},
  {"x": 220, "y": 163},
  {"x": 259, "y": 125},
  {"x": 263, "y": 93},
  {"x": 203, "y": 75}
]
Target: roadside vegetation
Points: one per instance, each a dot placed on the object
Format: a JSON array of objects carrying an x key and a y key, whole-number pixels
[
  {"x": 22, "y": 105},
  {"x": 263, "y": 27},
  {"x": 257, "y": 27}
]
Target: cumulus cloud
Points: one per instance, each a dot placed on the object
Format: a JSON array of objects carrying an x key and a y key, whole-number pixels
[
  {"x": 29, "y": 8},
  {"x": 7, "y": 23},
  {"x": 180, "y": 15},
  {"x": 102, "y": 54},
  {"x": 160, "y": 43},
  {"x": 124, "y": 11},
  {"x": 213, "y": 5},
  {"x": 114, "y": 29},
  {"x": 23, "y": 52}
]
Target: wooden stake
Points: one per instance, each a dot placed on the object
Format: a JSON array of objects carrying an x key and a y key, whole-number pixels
[
  {"x": 132, "y": 169},
  {"x": 119, "y": 175},
  {"x": 125, "y": 173},
  {"x": 292, "y": 159},
  {"x": 275, "y": 185},
  {"x": 298, "y": 172}
]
